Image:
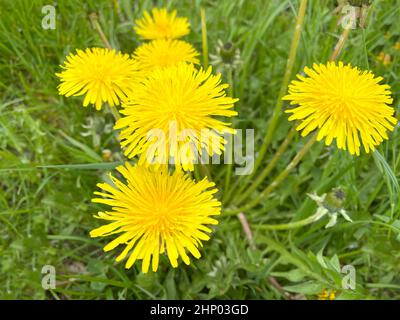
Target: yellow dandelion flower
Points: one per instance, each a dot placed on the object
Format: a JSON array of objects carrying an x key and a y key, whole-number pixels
[
  {"x": 163, "y": 53},
  {"x": 156, "y": 212},
  {"x": 384, "y": 58},
  {"x": 326, "y": 295},
  {"x": 344, "y": 103},
  {"x": 102, "y": 75},
  {"x": 171, "y": 115},
  {"x": 161, "y": 25},
  {"x": 397, "y": 46}
]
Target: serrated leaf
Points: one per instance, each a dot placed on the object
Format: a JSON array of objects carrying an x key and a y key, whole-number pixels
[
  {"x": 294, "y": 275},
  {"x": 321, "y": 259},
  {"x": 335, "y": 263},
  {"x": 310, "y": 287}
]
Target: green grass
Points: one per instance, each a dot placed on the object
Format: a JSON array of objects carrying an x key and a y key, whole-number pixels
[{"x": 49, "y": 167}]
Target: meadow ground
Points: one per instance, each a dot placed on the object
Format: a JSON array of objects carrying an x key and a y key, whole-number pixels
[{"x": 53, "y": 152}]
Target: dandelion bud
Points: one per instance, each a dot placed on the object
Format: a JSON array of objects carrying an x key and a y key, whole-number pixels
[
  {"x": 335, "y": 199},
  {"x": 228, "y": 56}
]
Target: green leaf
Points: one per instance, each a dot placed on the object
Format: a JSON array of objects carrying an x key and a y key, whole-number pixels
[
  {"x": 88, "y": 151},
  {"x": 334, "y": 262},
  {"x": 83, "y": 166},
  {"x": 310, "y": 287},
  {"x": 294, "y": 275}
]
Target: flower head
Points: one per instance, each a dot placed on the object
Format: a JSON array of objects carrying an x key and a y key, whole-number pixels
[
  {"x": 163, "y": 53},
  {"x": 344, "y": 103},
  {"x": 384, "y": 58},
  {"x": 102, "y": 75},
  {"x": 156, "y": 212},
  {"x": 327, "y": 295},
  {"x": 171, "y": 115},
  {"x": 330, "y": 204},
  {"x": 161, "y": 25},
  {"x": 227, "y": 56}
]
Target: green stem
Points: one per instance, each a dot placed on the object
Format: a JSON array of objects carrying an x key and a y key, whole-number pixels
[
  {"x": 95, "y": 22},
  {"x": 292, "y": 225},
  {"x": 115, "y": 112},
  {"x": 365, "y": 49},
  {"x": 278, "y": 106},
  {"x": 336, "y": 51},
  {"x": 282, "y": 148},
  {"x": 230, "y": 151},
  {"x": 205, "y": 171},
  {"x": 196, "y": 173},
  {"x": 289, "y": 67},
  {"x": 340, "y": 44},
  {"x": 300, "y": 154},
  {"x": 204, "y": 37}
]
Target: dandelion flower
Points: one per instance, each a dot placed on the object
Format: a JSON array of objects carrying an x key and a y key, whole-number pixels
[
  {"x": 102, "y": 75},
  {"x": 344, "y": 103},
  {"x": 171, "y": 115},
  {"x": 164, "y": 52},
  {"x": 327, "y": 295},
  {"x": 156, "y": 212},
  {"x": 161, "y": 25},
  {"x": 384, "y": 58}
]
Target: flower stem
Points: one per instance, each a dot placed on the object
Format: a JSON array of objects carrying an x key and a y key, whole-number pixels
[
  {"x": 229, "y": 149},
  {"x": 336, "y": 51},
  {"x": 196, "y": 173},
  {"x": 205, "y": 171},
  {"x": 278, "y": 106},
  {"x": 95, "y": 22},
  {"x": 340, "y": 44},
  {"x": 247, "y": 230},
  {"x": 300, "y": 154},
  {"x": 204, "y": 37},
  {"x": 282, "y": 148},
  {"x": 115, "y": 112},
  {"x": 292, "y": 225},
  {"x": 289, "y": 67}
]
